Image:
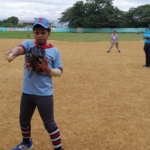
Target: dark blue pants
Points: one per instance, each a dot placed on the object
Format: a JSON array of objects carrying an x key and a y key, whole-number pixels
[
  {"x": 44, "y": 105},
  {"x": 147, "y": 53}
]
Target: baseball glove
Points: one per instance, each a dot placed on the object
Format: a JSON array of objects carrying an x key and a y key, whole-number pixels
[{"x": 32, "y": 57}]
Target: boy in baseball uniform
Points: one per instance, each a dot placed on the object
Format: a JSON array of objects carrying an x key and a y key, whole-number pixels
[
  {"x": 114, "y": 41},
  {"x": 37, "y": 92}
]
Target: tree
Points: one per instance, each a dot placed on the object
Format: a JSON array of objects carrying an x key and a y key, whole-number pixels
[
  {"x": 7, "y": 25},
  {"x": 138, "y": 17},
  {"x": 13, "y": 20},
  {"x": 102, "y": 14},
  {"x": 93, "y": 14},
  {"x": 1, "y": 22},
  {"x": 115, "y": 18},
  {"x": 74, "y": 15}
]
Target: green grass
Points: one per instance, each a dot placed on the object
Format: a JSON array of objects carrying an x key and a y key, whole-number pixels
[{"x": 74, "y": 37}]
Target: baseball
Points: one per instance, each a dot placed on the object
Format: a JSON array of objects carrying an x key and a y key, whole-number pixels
[{"x": 10, "y": 56}]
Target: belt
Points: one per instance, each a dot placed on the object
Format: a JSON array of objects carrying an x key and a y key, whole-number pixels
[{"x": 147, "y": 43}]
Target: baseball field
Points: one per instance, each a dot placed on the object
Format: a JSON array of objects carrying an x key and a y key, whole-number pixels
[{"x": 101, "y": 102}]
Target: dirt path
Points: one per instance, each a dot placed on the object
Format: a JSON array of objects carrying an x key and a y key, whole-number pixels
[{"x": 102, "y": 101}]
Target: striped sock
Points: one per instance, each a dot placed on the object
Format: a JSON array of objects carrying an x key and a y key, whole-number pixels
[
  {"x": 55, "y": 138},
  {"x": 26, "y": 134}
]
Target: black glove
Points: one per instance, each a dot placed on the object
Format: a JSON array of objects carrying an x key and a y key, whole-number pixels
[{"x": 33, "y": 55}]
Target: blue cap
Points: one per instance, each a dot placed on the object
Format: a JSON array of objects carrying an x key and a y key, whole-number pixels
[
  {"x": 114, "y": 30},
  {"x": 42, "y": 21}
]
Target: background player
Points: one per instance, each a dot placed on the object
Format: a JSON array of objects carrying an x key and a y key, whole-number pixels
[
  {"x": 114, "y": 41},
  {"x": 28, "y": 32},
  {"x": 37, "y": 91},
  {"x": 147, "y": 47}
]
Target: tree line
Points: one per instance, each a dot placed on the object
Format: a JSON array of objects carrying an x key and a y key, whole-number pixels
[
  {"x": 102, "y": 14},
  {"x": 11, "y": 22}
]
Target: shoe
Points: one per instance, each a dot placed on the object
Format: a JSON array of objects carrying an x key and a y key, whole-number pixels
[
  {"x": 108, "y": 51},
  {"x": 119, "y": 51},
  {"x": 24, "y": 146},
  {"x": 148, "y": 66},
  {"x": 145, "y": 65}
]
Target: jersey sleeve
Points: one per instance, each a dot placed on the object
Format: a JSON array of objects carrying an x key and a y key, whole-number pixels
[
  {"x": 25, "y": 45},
  {"x": 147, "y": 34}
]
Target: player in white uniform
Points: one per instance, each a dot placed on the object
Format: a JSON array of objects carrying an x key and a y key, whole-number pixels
[{"x": 114, "y": 41}]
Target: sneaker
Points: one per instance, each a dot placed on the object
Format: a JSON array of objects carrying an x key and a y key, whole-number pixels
[
  {"x": 108, "y": 51},
  {"x": 24, "y": 146},
  {"x": 145, "y": 65},
  {"x": 119, "y": 51}
]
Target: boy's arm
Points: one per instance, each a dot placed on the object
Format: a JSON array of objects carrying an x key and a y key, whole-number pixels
[
  {"x": 146, "y": 37},
  {"x": 52, "y": 72},
  {"x": 17, "y": 51}
]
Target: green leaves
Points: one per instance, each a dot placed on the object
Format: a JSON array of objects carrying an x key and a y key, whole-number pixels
[
  {"x": 138, "y": 17},
  {"x": 10, "y": 22},
  {"x": 92, "y": 14},
  {"x": 74, "y": 15},
  {"x": 102, "y": 14}
]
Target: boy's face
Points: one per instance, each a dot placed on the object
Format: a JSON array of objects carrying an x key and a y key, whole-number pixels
[{"x": 41, "y": 35}]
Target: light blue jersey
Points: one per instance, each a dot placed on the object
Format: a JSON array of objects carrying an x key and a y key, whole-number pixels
[
  {"x": 40, "y": 83},
  {"x": 114, "y": 37},
  {"x": 28, "y": 30},
  {"x": 147, "y": 34}
]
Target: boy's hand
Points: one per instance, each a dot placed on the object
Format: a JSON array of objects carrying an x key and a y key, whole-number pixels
[
  {"x": 43, "y": 65},
  {"x": 9, "y": 56}
]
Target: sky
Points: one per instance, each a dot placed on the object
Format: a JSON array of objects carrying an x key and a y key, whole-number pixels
[{"x": 30, "y": 9}]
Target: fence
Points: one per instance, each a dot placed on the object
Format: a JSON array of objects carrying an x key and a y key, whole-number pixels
[{"x": 83, "y": 30}]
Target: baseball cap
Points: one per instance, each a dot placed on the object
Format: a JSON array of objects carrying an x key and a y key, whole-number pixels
[
  {"x": 149, "y": 26},
  {"x": 42, "y": 21},
  {"x": 114, "y": 30}
]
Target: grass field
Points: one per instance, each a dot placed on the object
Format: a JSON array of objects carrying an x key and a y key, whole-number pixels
[{"x": 74, "y": 37}]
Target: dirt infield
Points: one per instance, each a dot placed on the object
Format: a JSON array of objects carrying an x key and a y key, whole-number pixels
[{"x": 102, "y": 101}]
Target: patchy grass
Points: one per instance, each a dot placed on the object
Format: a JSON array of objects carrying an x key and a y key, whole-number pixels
[{"x": 73, "y": 37}]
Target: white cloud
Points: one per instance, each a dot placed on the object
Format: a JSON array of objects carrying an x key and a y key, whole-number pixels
[
  {"x": 125, "y": 5},
  {"x": 29, "y": 9}
]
